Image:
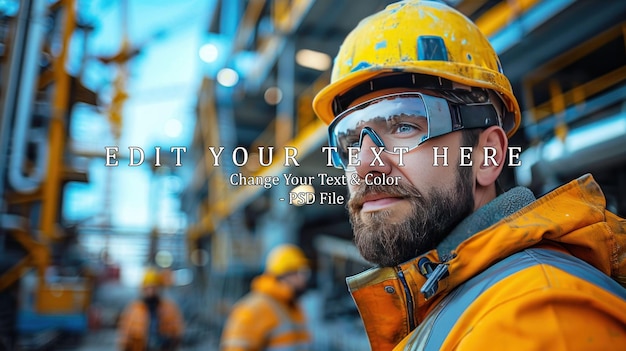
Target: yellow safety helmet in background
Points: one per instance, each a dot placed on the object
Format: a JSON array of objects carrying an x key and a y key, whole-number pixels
[
  {"x": 285, "y": 259},
  {"x": 151, "y": 278},
  {"x": 420, "y": 37}
]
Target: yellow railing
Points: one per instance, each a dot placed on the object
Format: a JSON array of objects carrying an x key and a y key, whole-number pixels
[{"x": 560, "y": 100}]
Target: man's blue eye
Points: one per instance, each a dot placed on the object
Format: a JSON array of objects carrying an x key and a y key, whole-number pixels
[{"x": 405, "y": 128}]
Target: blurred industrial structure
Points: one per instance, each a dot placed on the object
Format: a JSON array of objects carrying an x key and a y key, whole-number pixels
[{"x": 65, "y": 278}]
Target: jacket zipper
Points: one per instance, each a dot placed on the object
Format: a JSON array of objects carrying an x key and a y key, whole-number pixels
[
  {"x": 433, "y": 275},
  {"x": 409, "y": 299}
]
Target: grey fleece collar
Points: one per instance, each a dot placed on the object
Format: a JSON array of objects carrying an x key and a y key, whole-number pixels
[{"x": 502, "y": 206}]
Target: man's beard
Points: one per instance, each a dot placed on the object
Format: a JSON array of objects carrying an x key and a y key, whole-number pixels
[{"x": 389, "y": 243}]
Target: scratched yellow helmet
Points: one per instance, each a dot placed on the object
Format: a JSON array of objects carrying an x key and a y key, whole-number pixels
[
  {"x": 284, "y": 259},
  {"x": 428, "y": 40}
]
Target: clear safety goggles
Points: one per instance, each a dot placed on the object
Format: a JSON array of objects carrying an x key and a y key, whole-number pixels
[{"x": 401, "y": 122}]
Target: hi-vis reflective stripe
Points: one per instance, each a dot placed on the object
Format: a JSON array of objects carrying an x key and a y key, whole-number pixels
[
  {"x": 433, "y": 331},
  {"x": 287, "y": 327}
]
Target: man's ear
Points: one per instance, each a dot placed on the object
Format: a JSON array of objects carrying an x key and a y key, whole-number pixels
[{"x": 491, "y": 155}]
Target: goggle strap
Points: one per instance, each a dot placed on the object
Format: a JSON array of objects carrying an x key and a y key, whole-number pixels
[{"x": 475, "y": 116}]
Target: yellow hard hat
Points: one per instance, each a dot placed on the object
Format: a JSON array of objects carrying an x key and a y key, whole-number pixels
[
  {"x": 284, "y": 259},
  {"x": 420, "y": 37},
  {"x": 151, "y": 278}
]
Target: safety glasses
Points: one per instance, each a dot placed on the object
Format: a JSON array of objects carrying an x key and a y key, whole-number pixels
[{"x": 400, "y": 123}]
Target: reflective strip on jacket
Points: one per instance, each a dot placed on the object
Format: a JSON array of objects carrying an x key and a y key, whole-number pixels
[
  {"x": 135, "y": 321},
  {"x": 266, "y": 319},
  {"x": 542, "y": 305}
]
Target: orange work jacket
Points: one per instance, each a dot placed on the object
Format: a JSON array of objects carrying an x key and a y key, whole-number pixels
[
  {"x": 542, "y": 278},
  {"x": 267, "y": 318},
  {"x": 135, "y": 321}
]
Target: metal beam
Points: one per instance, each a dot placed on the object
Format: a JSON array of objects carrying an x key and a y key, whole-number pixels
[{"x": 60, "y": 108}]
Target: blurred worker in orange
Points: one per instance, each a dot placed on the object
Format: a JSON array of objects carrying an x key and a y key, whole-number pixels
[
  {"x": 461, "y": 264},
  {"x": 269, "y": 317},
  {"x": 152, "y": 322}
]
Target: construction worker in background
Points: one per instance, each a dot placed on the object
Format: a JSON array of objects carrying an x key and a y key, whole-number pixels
[
  {"x": 152, "y": 322},
  {"x": 269, "y": 317},
  {"x": 417, "y": 96}
]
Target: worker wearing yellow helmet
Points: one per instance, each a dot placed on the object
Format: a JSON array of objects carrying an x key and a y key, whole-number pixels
[
  {"x": 417, "y": 94},
  {"x": 152, "y": 322},
  {"x": 269, "y": 317}
]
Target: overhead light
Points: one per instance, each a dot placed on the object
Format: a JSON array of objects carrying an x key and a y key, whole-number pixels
[
  {"x": 199, "y": 257},
  {"x": 313, "y": 59},
  {"x": 164, "y": 259},
  {"x": 302, "y": 195},
  {"x": 209, "y": 53},
  {"x": 227, "y": 77},
  {"x": 213, "y": 53},
  {"x": 273, "y": 95}
]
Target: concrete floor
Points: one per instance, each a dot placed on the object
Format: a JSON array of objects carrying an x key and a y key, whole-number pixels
[
  {"x": 328, "y": 335},
  {"x": 108, "y": 304},
  {"x": 105, "y": 340},
  {"x": 100, "y": 340}
]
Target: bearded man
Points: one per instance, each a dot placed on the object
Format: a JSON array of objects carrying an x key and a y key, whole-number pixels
[{"x": 461, "y": 264}]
